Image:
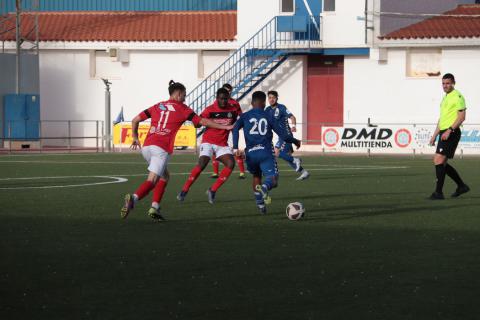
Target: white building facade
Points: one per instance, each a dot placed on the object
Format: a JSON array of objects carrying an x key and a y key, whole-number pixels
[{"x": 351, "y": 77}]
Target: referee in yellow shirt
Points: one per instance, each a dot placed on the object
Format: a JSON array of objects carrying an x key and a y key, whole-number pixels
[{"x": 452, "y": 115}]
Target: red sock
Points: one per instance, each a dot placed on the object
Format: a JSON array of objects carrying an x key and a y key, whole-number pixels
[
  {"x": 159, "y": 190},
  {"x": 191, "y": 179},
  {"x": 215, "y": 165},
  {"x": 240, "y": 164},
  {"x": 221, "y": 180},
  {"x": 144, "y": 189}
]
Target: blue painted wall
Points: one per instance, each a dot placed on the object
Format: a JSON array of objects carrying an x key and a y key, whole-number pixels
[
  {"x": 125, "y": 5},
  {"x": 301, "y": 9}
]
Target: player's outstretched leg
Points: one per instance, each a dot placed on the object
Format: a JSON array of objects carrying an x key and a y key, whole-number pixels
[
  {"x": 229, "y": 163},
  {"x": 440, "y": 172},
  {"x": 215, "y": 166},
  {"x": 158, "y": 191},
  {"x": 461, "y": 186},
  {"x": 241, "y": 167},
  {"x": 259, "y": 194},
  {"x": 295, "y": 163},
  {"x": 139, "y": 194},
  {"x": 194, "y": 174}
]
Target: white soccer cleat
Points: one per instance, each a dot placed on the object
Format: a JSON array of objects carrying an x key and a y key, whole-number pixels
[
  {"x": 298, "y": 163},
  {"x": 305, "y": 174}
]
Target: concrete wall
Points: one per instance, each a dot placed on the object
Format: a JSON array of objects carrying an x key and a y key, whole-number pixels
[
  {"x": 345, "y": 27},
  {"x": 383, "y": 92},
  {"x": 254, "y": 14},
  {"x": 68, "y": 92}
]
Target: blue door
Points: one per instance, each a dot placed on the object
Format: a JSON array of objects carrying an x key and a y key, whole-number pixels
[
  {"x": 21, "y": 116},
  {"x": 32, "y": 116},
  {"x": 14, "y": 110}
]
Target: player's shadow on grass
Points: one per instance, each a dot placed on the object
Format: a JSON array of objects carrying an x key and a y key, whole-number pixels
[{"x": 332, "y": 214}]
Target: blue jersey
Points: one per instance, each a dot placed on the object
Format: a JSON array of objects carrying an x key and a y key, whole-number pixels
[
  {"x": 257, "y": 127},
  {"x": 280, "y": 114}
]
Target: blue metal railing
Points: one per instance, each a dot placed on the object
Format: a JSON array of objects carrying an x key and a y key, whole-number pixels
[{"x": 265, "y": 51}]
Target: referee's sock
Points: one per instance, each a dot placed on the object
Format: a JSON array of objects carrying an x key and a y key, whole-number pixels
[
  {"x": 440, "y": 172},
  {"x": 453, "y": 174}
]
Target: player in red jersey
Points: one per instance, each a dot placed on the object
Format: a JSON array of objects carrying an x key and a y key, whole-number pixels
[
  {"x": 240, "y": 163},
  {"x": 214, "y": 141},
  {"x": 166, "y": 118}
]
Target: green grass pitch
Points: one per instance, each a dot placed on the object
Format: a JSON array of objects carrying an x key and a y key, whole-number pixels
[{"x": 370, "y": 247}]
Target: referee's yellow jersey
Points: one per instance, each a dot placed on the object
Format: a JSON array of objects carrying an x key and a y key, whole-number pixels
[{"x": 451, "y": 104}]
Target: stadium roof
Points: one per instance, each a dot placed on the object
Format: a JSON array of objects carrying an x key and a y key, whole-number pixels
[
  {"x": 461, "y": 22},
  {"x": 131, "y": 26}
]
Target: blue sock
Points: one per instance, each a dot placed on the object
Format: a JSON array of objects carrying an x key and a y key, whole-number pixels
[
  {"x": 287, "y": 157},
  {"x": 269, "y": 182},
  {"x": 259, "y": 199}
]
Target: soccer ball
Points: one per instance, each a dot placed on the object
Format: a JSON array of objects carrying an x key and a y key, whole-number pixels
[{"x": 295, "y": 211}]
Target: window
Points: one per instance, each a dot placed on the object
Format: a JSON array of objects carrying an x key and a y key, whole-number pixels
[
  {"x": 287, "y": 6},
  {"x": 329, "y": 5},
  {"x": 424, "y": 63}
]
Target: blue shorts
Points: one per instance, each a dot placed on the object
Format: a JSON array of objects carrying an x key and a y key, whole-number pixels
[
  {"x": 284, "y": 146},
  {"x": 261, "y": 163}
]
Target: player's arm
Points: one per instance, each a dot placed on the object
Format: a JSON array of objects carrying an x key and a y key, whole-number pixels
[
  {"x": 283, "y": 134},
  {"x": 199, "y": 121},
  {"x": 235, "y": 135},
  {"x": 293, "y": 121},
  {"x": 212, "y": 124},
  {"x": 144, "y": 115}
]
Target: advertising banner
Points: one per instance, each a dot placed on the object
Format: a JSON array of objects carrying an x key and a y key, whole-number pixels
[
  {"x": 122, "y": 134},
  {"x": 393, "y": 138},
  {"x": 358, "y": 137}
]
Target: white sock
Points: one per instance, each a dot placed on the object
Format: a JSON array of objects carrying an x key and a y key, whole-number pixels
[
  {"x": 135, "y": 198},
  {"x": 155, "y": 205}
]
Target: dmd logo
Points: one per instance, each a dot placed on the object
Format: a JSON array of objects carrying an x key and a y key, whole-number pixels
[{"x": 367, "y": 138}]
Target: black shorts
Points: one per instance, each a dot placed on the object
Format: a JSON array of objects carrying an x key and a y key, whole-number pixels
[{"x": 448, "y": 147}]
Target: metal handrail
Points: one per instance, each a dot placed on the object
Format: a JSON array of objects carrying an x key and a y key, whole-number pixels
[{"x": 241, "y": 63}]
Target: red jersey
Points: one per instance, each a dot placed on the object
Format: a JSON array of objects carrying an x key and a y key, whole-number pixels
[
  {"x": 225, "y": 116},
  {"x": 167, "y": 117}
]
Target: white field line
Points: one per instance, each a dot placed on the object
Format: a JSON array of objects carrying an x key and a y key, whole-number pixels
[
  {"x": 118, "y": 177},
  {"x": 114, "y": 180},
  {"x": 330, "y": 166}
]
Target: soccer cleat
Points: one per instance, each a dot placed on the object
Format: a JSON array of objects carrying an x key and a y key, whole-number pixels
[
  {"x": 211, "y": 196},
  {"x": 155, "y": 214},
  {"x": 460, "y": 190},
  {"x": 264, "y": 193},
  {"x": 298, "y": 164},
  {"x": 181, "y": 196},
  {"x": 214, "y": 176},
  {"x": 305, "y": 174},
  {"x": 241, "y": 175},
  {"x": 437, "y": 196},
  {"x": 127, "y": 207},
  {"x": 263, "y": 209}
]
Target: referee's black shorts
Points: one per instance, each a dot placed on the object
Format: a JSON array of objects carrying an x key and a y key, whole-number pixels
[{"x": 448, "y": 147}]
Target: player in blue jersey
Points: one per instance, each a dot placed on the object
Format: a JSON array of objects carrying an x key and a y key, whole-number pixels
[
  {"x": 257, "y": 128},
  {"x": 283, "y": 149}
]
